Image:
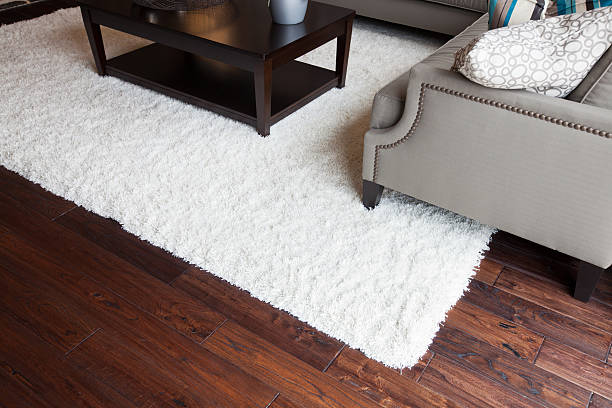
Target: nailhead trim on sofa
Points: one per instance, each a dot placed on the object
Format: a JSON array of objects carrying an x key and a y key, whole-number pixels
[{"x": 484, "y": 101}]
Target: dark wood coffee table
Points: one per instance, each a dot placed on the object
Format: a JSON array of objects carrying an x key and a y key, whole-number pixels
[{"x": 230, "y": 58}]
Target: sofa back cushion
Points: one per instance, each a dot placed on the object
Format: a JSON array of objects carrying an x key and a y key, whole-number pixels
[
  {"x": 474, "y": 5},
  {"x": 596, "y": 88},
  {"x": 390, "y": 101}
]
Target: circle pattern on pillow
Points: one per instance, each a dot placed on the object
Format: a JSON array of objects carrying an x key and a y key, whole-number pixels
[{"x": 549, "y": 57}]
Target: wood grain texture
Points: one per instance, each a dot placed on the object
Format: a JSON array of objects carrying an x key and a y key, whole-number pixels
[
  {"x": 415, "y": 372},
  {"x": 543, "y": 321},
  {"x": 516, "y": 374},
  {"x": 508, "y": 242},
  {"x": 32, "y": 366},
  {"x": 127, "y": 369},
  {"x": 527, "y": 258},
  {"x": 501, "y": 333},
  {"x": 544, "y": 263},
  {"x": 600, "y": 402},
  {"x": 55, "y": 319},
  {"x": 469, "y": 388},
  {"x": 531, "y": 258},
  {"x": 488, "y": 271},
  {"x": 63, "y": 281},
  {"x": 15, "y": 394},
  {"x": 581, "y": 369},
  {"x": 292, "y": 377},
  {"x": 109, "y": 235},
  {"x": 381, "y": 384},
  {"x": 556, "y": 297},
  {"x": 148, "y": 337},
  {"x": 32, "y": 195},
  {"x": 603, "y": 291},
  {"x": 282, "y": 402},
  {"x": 168, "y": 304},
  {"x": 148, "y": 376},
  {"x": 273, "y": 325}
]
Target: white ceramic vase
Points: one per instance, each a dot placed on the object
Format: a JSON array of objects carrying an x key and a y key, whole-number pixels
[{"x": 288, "y": 11}]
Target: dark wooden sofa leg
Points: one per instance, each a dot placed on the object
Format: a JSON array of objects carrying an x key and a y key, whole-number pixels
[
  {"x": 586, "y": 279},
  {"x": 371, "y": 194}
]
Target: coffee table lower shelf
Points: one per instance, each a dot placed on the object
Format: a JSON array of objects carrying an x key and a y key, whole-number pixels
[{"x": 219, "y": 87}]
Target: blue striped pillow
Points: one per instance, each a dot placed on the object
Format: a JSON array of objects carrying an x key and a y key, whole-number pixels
[
  {"x": 563, "y": 7},
  {"x": 503, "y": 13}
]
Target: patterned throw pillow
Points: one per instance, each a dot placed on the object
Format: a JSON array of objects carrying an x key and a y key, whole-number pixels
[
  {"x": 549, "y": 57},
  {"x": 503, "y": 13},
  {"x": 563, "y": 7}
]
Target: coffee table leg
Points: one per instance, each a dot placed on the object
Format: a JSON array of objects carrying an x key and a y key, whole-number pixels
[
  {"x": 95, "y": 41},
  {"x": 263, "y": 96},
  {"x": 344, "y": 45}
]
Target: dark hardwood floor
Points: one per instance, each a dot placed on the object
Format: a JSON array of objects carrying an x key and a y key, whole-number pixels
[{"x": 92, "y": 316}]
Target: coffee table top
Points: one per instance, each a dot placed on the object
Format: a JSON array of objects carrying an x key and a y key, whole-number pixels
[{"x": 241, "y": 24}]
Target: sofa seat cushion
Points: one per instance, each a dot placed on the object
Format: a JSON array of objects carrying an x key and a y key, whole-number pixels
[
  {"x": 601, "y": 93},
  {"x": 474, "y": 5},
  {"x": 596, "y": 88},
  {"x": 389, "y": 101}
]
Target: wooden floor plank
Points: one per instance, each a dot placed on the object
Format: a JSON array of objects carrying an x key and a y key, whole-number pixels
[
  {"x": 170, "y": 305},
  {"x": 128, "y": 372},
  {"x": 603, "y": 290},
  {"x": 488, "y": 271},
  {"x": 32, "y": 195},
  {"x": 525, "y": 257},
  {"x": 498, "y": 332},
  {"x": 109, "y": 235},
  {"x": 469, "y": 388},
  {"x": 543, "y": 321},
  {"x": 63, "y": 270},
  {"x": 579, "y": 368},
  {"x": 600, "y": 402},
  {"x": 282, "y": 402},
  {"x": 274, "y": 325},
  {"x": 535, "y": 260},
  {"x": 59, "y": 322},
  {"x": 517, "y": 374},
  {"x": 38, "y": 370},
  {"x": 119, "y": 316},
  {"x": 415, "y": 372},
  {"x": 543, "y": 263},
  {"x": 512, "y": 245},
  {"x": 293, "y": 378},
  {"x": 15, "y": 393},
  {"x": 148, "y": 376},
  {"x": 381, "y": 384},
  {"x": 556, "y": 297}
]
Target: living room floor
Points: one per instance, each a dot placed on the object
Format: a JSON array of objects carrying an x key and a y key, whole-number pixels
[{"x": 90, "y": 313}]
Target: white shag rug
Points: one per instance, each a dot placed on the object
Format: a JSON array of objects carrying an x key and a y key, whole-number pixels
[{"x": 279, "y": 216}]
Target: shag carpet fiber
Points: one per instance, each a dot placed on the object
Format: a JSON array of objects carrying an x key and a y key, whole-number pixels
[{"x": 279, "y": 216}]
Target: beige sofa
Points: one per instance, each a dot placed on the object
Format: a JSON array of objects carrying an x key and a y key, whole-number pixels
[
  {"x": 443, "y": 16},
  {"x": 535, "y": 166}
]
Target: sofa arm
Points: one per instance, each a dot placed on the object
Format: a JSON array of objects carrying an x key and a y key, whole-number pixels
[
  {"x": 519, "y": 106},
  {"x": 535, "y": 166}
]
